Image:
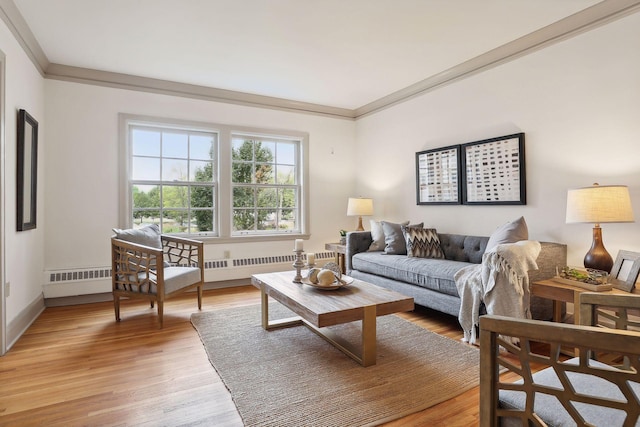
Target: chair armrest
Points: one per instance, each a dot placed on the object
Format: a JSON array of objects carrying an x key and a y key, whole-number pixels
[
  {"x": 133, "y": 266},
  {"x": 518, "y": 360},
  {"x": 183, "y": 251},
  {"x": 357, "y": 241}
]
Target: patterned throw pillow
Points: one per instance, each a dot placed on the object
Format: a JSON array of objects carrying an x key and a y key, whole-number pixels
[{"x": 422, "y": 242}]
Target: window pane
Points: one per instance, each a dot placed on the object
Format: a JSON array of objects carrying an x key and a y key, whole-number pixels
[
  {"x": 266, "y": 219},
  {"x": 244, "y": 220},
  {"x": 175, "y": 145},
  {"x": 286, "y": 175},
  {"x": 264, "y": 174},
  {"x": 201, "y": 147},
  {"x": 286, "y": 153},
  {"x": 200, "y": 171},
  {"x": 288, "y": 198},
  {"x": 243, "y": 197},
  {"x": 287, "y": 220},
  {"x": 201, "y": 221},
  {"x": 145, "y": 143},
  {"x": 265, "y": 151},
  {"x": 175, "y": 221},
  {"x": 242, "y": 149},
  {"x": 267, "y": 198},
  {"x": 201, "y": 197},
  {"x": 174, "y": 170},
  {"x": 145, "y": 169},
  {"x": 242, "y": 173},
  {"x": 175, "y": 196}
]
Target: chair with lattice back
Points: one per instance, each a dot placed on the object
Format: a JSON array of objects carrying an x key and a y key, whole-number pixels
[
  {"x": 153, "y": 266},
  {"x": 601, "y": 386}
]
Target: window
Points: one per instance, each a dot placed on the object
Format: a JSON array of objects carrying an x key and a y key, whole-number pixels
[
  {"x": 212, "y": 180},
  {"x": 265, "y": 184},
  {"x": 172, "y": 178}
]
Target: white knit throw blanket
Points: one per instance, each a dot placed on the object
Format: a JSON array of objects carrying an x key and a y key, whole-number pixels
[{"x": 501, "y": 281}]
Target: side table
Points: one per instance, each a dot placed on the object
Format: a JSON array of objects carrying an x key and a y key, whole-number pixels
[
  {"x": 340, "y": 251},
  {"x": 561, "y": 293}
]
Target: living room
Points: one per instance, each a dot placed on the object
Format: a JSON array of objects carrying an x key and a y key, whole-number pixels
[{"x": 575, "y": 98}]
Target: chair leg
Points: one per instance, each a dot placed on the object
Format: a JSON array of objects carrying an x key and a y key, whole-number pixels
[
  {"x": 116, "y": 307},
  {"x": 151, "y": 303},
  {"x": 200, "y": 297},
  {"x": 161, "y": 312}
]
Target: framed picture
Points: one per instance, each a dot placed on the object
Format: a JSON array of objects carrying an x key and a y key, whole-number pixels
[
  {"x": 27, "y": 171},
  {"x": 625, "y": 270},
  {"x": 438, "y": 176},
  {"x": 493, "y": 171}
]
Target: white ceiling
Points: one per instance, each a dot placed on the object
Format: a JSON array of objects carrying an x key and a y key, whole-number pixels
[{"x": 338, "y": 53}]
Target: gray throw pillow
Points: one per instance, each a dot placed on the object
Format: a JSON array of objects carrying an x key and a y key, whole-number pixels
[
  {"x": 422, "y": 242},
  {"x": 510, "y": 232},
  {"x": 148, "y": 235},
  {"x": 377, "y": 235},
  {"x": 394, "y": 243}
]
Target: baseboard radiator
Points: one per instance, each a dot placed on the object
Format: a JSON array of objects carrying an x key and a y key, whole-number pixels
[{"x": 56, "y": 277}]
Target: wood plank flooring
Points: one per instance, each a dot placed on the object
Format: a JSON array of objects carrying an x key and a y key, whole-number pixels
[{"x": 75, "y": 366}]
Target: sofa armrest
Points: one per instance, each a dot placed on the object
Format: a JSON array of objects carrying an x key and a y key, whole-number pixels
[
  {"x": 552, "y": 255},
  {"x": 357, "y": 241}
]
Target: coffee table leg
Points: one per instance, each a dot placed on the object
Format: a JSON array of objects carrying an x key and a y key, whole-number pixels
[
  {"x": 369, "y": 348},
  {"x": 274, "y": 324}
]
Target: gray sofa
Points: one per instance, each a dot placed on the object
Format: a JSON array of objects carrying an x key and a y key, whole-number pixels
[{"x": 430, "y": 281}]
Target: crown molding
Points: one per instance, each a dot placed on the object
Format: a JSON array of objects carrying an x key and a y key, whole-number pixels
[
  {"x": 146, "y": 84},
  {"x": 578, "y": 23},
  {"x": 595, "y": 16},
  {"x": 11, "y": 16}
]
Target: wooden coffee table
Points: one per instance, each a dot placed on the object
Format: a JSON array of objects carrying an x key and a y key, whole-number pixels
[{"x": 317, "y": 309}]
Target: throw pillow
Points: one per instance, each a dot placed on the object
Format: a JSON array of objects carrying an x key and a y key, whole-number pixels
[
  {"x": 377, "y": 235},
  {"x": 394, "y": 243},
  {"x": 510, "y": 232},
  {"x": 148, "y": 235},
  {"x": 422, "y": 242}
]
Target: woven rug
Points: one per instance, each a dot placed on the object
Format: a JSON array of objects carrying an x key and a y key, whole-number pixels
[{"x": 291, "y": 377}]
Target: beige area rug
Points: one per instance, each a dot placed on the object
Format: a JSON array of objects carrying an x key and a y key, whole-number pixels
[{"x": 292, "y": 377}]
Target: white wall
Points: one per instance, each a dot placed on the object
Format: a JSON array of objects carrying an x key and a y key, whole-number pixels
[
  {"x": 578, "y": 103},
  {"x": 24, "y": 250},
  {"x": 82, "y": 169}
]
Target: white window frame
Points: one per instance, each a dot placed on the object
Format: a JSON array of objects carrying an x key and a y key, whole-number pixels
[{"x": 224, "y": 204}]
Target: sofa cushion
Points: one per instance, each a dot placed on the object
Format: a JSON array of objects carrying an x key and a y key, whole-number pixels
[
  {"x": 510, "y": 232},
  {"x": 430, "y": 273},
  {"x": 377, "y": 235},
  {"x": 394, "y": 243},
  {"x": 422, "y": 242}
]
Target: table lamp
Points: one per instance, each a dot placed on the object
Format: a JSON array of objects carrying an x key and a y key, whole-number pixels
[
  {"x": 599, "y": 204},
  {"x": 359, "y": 206}
]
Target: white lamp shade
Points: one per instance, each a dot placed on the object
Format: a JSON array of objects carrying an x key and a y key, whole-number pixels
[
  {"x": 599, "y": 204},
  {"x": 359, "y": 206}
]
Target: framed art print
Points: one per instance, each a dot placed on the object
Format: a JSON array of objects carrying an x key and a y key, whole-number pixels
[
  {"x": 625, "y": 270},
  {"x": 27, "y": 171},
  {"x": 494, "y": 171},
  {"x": 438, "y": 176}
]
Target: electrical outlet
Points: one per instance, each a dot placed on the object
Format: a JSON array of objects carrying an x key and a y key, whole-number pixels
[
  {"x": 227, "y": 254},
  {"x": 7, "y": 289}
]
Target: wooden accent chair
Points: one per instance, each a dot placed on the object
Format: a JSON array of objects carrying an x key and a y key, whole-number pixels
[
  {"x": 153, "y": 266},
  {"x": 599, "y": 387}
]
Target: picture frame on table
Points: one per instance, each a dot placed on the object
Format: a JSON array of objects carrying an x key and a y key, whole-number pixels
[
  {"x": 493, "y": 171},
  {"x": 438, "y": 176},
  {"x": 625, "y": 270},
  {"x": 27, "y": 171}
]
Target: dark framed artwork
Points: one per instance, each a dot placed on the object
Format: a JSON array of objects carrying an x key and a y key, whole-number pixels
[
  {"x": 625, "y": 270},
  {"x": 493, "y": 171},
  {"x": 438, "y": 176},
  {"x": 27, "y": 171}
]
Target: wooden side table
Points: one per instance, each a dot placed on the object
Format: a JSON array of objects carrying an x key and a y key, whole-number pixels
[
  {"x": 340, "y": 251},
  {"x": 561, "y": 294}
]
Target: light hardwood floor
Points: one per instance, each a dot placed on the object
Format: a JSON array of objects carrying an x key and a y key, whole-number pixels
[{"x": 76, "y": 366}]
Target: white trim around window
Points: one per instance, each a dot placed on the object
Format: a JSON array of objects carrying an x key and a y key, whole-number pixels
[{"x": 223, "y": 200}]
